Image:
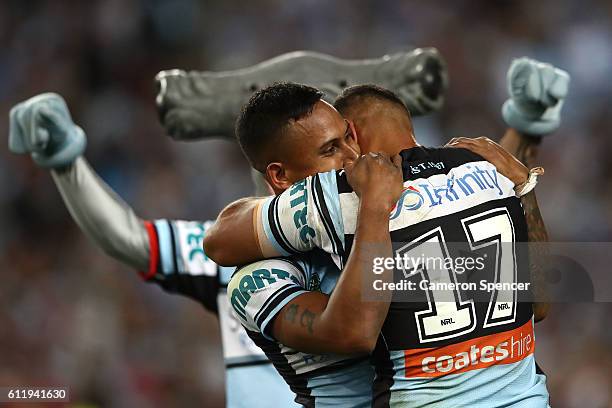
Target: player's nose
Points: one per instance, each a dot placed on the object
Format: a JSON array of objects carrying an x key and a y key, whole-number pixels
[{"x": 350, "y": 153}]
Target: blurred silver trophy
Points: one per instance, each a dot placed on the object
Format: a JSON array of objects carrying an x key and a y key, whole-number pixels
[{"x": 201, "y": 104}]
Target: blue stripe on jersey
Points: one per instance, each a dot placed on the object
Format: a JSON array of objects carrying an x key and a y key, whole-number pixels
[
  {"x": 257, "y": 386},
  {"x": 348, "y": 387},
  {"x": 225, "y": 274},
  {"x": 165, "y": 246},
  {"x": 267, "y": 222}
]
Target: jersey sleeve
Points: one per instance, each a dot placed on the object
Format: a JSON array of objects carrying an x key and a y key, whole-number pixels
[
  {"x": 178, "y": 263},
  {"x": 305, "y": 216},
  {"x": 258, "y": 292}
]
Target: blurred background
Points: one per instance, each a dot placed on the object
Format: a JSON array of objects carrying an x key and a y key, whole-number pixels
[{"x": 69, "y": 315}]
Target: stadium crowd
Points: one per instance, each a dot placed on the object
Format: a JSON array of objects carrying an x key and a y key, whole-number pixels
[{"x": 70, "y": 315}]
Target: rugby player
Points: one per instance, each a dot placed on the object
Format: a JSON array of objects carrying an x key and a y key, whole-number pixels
[
  {"x": 310, "y": 214},
  {"x": 168, "y": 252}
]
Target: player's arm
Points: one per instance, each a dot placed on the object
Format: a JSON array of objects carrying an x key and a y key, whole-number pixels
[
  {"x": 344, "y": 322},
  {"x": 305, "y": 216},
  {"x": 195, "y": 105},
  {"x": 517, "y": 172},
  {"x": 43, "y": 127},
  {"x": 537, "y": 93},
  {"x": 102, "y": 215},
  {"x": 168, "y": 253},
  {"x": 522, "y": 146},
  {"x": 525, "y": 148},
  {"x": 232, "y": 240},
  {"x": 538, "y": 255},
  {"x": 251, "y": 229}
]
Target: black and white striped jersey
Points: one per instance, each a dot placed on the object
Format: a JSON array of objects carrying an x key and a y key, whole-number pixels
[
  {"x": 178, "y": 264},
  {"x": 466, "y": 345},
  {"x": 259, "y": 291}
]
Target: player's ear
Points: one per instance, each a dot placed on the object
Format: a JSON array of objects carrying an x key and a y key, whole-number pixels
[
  {"x": 277, "y": 177},
  {"x": 353, "y": 130}
]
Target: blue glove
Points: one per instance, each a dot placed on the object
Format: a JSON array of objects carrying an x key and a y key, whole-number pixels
[
  {"x": 42, "y": 126},
  {"x": 537, "y": 92}
]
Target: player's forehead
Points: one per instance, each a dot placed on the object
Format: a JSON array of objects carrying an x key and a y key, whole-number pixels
[{"x": 323, "y": 124}]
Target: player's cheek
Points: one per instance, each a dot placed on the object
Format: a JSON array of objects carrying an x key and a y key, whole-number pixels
[
  {"x": 338, "y": 162},
  {"x": 326, "y": 164}
]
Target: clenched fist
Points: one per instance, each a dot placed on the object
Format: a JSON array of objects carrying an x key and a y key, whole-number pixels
[{"x": 377, "y": 179}]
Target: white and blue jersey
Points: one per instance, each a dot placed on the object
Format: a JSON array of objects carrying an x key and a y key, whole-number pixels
[
  {"x": 258, "y": 292},
  {"x": 442, "y": 349},
  {"x": 179, "y": 265}
]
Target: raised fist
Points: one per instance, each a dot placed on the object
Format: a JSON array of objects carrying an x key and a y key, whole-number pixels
[{"x": 42, "y": 126}]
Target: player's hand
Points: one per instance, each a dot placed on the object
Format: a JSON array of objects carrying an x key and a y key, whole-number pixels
[
  {"x": 377, "y": 179},
  {"x": 42, "y": 126},
  {"x": 504, "y": 162},
  {"x": 537, "y": 92}
]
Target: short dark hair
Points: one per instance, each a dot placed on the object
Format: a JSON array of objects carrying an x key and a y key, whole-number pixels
[
  {"x": 359, "y": 93},
  {"x": 267, "y": 113}
]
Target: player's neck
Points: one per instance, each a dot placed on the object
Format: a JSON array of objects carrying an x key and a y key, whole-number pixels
[{"x": 391, "y": 143}]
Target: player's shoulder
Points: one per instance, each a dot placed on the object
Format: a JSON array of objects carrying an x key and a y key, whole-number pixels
[
  {"x": 258, "y": 291},
  {"x": 418, "y": 162},
  {"x": 423, "y": 162}
]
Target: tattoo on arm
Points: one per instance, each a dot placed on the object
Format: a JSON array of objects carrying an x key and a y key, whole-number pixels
[
  {"x": 307, "y": 320},
  {"x": 291, "y": 313},
  {"x": 525, "y": 148},
  {"x": 538, "y": 249},
  {"x": 535, "y": 224}
]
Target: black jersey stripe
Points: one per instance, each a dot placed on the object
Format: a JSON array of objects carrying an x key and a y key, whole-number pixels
[
  {"x": 290, "y": 261},
  {"x": 174, "y": 250},
  {"x": 539, "y": 369},
  {"x": 383, "y": 368},
  {"x": 247, "y": 363},
  {"x": 299, "y": 267},
  {"x": 451, "y": 157},
  {"x": 328, "y": 223},
  {"x": 279, "y": 226},
  {"x": 276, "y": 227},
  {"x": 417, "y": 161},
  {"x": 298, "y": 383},
  {"x": 271, "y": 298},
  {"x": 316, "y": 199},
  {"x": 340, "y": 365},
  {"x": 342, "y": 183},
  {"x": 264, "y": 313}
]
